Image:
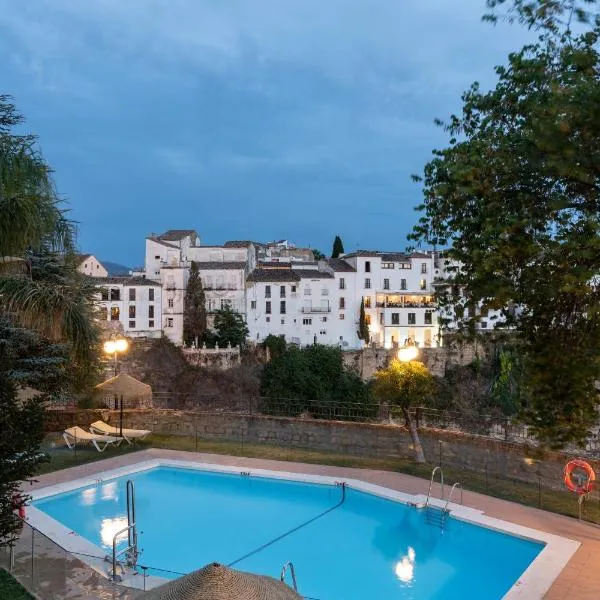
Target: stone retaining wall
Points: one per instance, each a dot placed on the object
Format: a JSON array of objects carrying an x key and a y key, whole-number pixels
[{"x": 475, "y": 453}]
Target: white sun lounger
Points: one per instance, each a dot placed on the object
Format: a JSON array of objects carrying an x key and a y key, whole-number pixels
[
  {"x": 128, "y": 434},
  {"x": 76, "y": 435}
]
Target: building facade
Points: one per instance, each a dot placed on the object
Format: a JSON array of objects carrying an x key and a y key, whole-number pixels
[{"x": 89, "y": 265}]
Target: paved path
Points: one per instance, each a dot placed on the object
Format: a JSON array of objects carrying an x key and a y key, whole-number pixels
[{"x": 580, "y": 580}]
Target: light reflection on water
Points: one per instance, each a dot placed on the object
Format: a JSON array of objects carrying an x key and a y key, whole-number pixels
[
  {"x": 88, "y": 497},
  {"x": 405, "y": 568},
  {"x": 109, "y": 491},
  {"x": 109, "y": 527}
]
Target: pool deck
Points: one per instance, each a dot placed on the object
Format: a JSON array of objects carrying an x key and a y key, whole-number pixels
[{"x": 579, "y": 580}]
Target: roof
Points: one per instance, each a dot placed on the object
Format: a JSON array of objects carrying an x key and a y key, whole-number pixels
[
  {"x": 124, "y": 384},
  {"x": 313, "y": 274},
  {"x": 128, "y": 281},
  {"x": 174, "y": 235},
  {"x": 162, "y": 242},
  {"x": 363, "y": 253},
  {"x": 216, "y": 265},
  {"x": 394, "y": 257},
  {"x": 241, "y": 244},
  {"x": 419, "y": 255},
  {"x": 217, "y": 582},
  {"x": 82, "y": 257},
  {"x": 339, "y": 265},
  {"x": 274, "y": 275}
]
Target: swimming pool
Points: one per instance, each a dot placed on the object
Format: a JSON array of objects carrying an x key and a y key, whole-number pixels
[{"x": 360, "y": 542}]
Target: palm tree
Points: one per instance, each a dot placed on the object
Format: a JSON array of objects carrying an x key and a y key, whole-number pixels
[{"x": 32, "y": 220}]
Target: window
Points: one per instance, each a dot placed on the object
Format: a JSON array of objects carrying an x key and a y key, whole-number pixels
[
  {"x": 293, "y": 289},
  {"x": 342, "y": 316},
  {"x": 131, "y": 324},
  {"x": 323, "y": 332},
  {"x": 151, "y": 312},
  {"x": 367, "y": 300},
  {"x": 395, "y": 318},
  {"x": 267, "y": 291},
  {"x": 368, "y": 319},
  {"x": 283, "y": 321},
  {"x": 403, "y": 284},
  {"x": 103, "y": 313},
  {"x": 367, "y": 283},
  {"x": 381, "y": 318},
  {"x": 115, "y": 313},
  {"x": 387, "y": 265},
  {"x": 169, "y": 322},
  {"x": 132, "y": 312},
  {"x": 307, "y": 291},
  {"x": 483, "y": 324},
  {"x": 253, "y": 304},
  {"x": 306, "y": 321},
  {"x": 268, "y": 319},
  {"x": 428, "y": 317},
  {"x": 131, "y": 294},
  {"x": 225, "y": 303},
  {"x": 367, "y": 266},
  {"x": 324, "y": 292},
  {"x": 282, "y": 291},
  {"x": 423, "y": 284},
  {"x": 405, "y": 265},
  {"x": 115, "y": 294},
  {"x": 386, "y": 284},
  {"x": 170, "y": 302},
  {"x": 151, "y": 323},
  {"x": 268, "y": 307},
  {"x": 156, "y": 257},
  {"x": 104, "y": 294},
  {"x": 85, "y": 265},
  {"x": 342, "y": 283},
  {"x": 342, "y": 303},
  {"x": 282, "y": 307},
  {"x": 423, "y": 267},
  {"x": 324, "y": 319},
  {"x": 151, "y": 294},
  {"x": 412, "y": 318}
]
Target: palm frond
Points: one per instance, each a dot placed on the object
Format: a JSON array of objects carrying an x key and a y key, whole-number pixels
[{"x": 58, "y": 312}]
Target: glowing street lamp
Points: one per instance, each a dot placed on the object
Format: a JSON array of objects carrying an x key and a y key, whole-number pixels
[
  {"x": 115, "y": 347},
  {"x": 408, "y": 353}
]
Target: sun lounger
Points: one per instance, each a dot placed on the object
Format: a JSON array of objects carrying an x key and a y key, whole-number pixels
[
  {"x": 76, "y": 435},
  {"x": 127, "y": 434}
]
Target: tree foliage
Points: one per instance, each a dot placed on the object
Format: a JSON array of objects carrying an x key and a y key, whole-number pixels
[
  {"x": 314, "y": 380},
  {"x": 230, "y": 327},
  {"x": 276, "y": 345},
  {"x": 363, "y": 326},
  {"x": 338, "y": 247},
  {"x": 516, "y": 196},
  {"x": 318, "y": 254},
  {"x": 194, "y": 310}
]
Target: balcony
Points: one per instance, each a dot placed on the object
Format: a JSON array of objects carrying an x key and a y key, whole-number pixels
[
  {"x": 316, "y": 309},
  {"x": 220, "y": 287}
]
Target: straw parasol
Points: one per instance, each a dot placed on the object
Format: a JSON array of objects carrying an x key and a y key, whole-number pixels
[
  {"x": 135, "y": 393},
  {"x": 216, "y": 582}
]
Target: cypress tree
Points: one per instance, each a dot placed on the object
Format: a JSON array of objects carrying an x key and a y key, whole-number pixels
[
  {"x": 338, "y": 247},
  {"x": 194, "y": 310},
  {"x": 363, "y": 326}
]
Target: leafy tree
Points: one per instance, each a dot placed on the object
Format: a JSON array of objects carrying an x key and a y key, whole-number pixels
[
  {"x": 314, "y": 380},
  {"x": 318, "y": 254},
  {"x": 230, "y": 327},
  {"x": 515, "y": 194},
  {"x": 194, "y": 310},
  {"x": 276, "y": 345},
  {"x": 31, "y": 219},
  {"x": 21, "y": 424},
  {"x": 338, "y": 247},
  {"x": 404, "y": 385},
  {"x": 363, "y": 326}
]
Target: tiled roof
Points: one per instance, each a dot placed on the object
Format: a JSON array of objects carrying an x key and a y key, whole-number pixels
[
  {"x": 313, "y": 274},
  {"x": 274, "y": 275},
  {"x": 419, "y": 255},
  {"x": 174, "y": 235},
  {"x": 216, "y": 265},
  {"x": 339, "y": 265},
  {"x": 163, "y": 243},
  {"x": 241, "y": 244},
  {"x": 128, "y": 281},
  {"x": 394, "y": 257},
  {"x": 82, "y": 257},
  {"x": 363, "y": 253}
]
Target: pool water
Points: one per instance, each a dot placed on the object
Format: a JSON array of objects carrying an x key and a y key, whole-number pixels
[{"x": 364, "y": 547}]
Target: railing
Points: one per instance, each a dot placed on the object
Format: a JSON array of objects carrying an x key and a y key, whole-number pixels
[
  {"x": 289, "y": 564},
  {"x": 316, "y": 309}
]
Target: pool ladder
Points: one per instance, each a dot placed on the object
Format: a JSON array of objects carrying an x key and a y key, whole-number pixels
[
  {"x": 289, "y": 564},
  {"x": 433, "y": 514},
  {"x": 131, "y": 552}
]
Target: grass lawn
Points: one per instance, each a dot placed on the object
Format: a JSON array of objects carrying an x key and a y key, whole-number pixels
[
  {"x": 530, "y": 494},
  {"x": 11, "y": 589}
]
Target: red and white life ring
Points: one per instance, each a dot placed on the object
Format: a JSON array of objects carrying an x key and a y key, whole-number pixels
[{"x": 571, "y": 482}]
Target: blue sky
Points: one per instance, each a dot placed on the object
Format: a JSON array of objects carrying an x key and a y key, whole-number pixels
[{"x": 243, "y": 119}]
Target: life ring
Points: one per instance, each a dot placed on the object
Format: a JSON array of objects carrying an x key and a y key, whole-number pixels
[
  {"x": 19, "y": 505},
  {"x": 574, "y": 485}
]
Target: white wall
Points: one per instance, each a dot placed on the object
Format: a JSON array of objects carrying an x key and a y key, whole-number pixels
[{"x": 92, "y": 267}]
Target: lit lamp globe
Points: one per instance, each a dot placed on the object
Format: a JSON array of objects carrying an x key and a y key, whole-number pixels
[{"x": 408, "y": 353}]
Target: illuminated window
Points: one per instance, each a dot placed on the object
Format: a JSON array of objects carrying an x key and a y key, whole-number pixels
[{"x": 115, "y": 313}]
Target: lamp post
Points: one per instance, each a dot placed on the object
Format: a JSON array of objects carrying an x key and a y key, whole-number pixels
[
  {"x": 114, "y": 347},
  {"x": 408, "y": 353}
]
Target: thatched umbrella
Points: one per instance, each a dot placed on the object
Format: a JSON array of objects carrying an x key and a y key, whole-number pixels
[
  {"x": 135, "y": 394},
  {"x": 216, "y": 582}
]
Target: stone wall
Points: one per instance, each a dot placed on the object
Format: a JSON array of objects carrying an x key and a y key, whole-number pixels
[
  {"x": 213, "y": 358},
  {"x": 479, "y": 454}
]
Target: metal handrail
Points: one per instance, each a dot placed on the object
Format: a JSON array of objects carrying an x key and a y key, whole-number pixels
[
  {"x": 450, "y": 495},
  {"x": 132, "y": 533},
  {"x": 431, "y": 483},
  {"x": 114, "y": 550},
  {"x": 289, "y": 564}
]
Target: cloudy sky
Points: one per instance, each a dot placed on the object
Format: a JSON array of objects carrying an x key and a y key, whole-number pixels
[{"x": 260, "y": 119}]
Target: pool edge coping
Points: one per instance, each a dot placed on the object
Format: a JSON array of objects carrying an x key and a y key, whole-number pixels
[{"x": 533, "y": 583}]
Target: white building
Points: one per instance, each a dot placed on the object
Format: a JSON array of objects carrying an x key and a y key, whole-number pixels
[
  {"x": 131, "y": 305},
  {"x": 398, "y": 294},
  {"x": 89, "y": 265}
]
